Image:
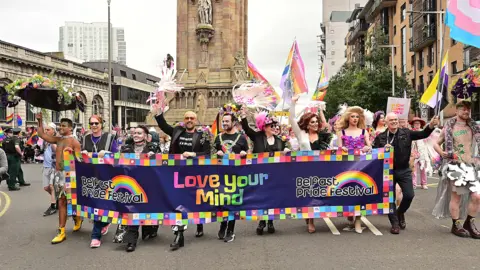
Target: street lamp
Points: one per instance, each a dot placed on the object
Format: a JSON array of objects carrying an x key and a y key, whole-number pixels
[
  {"x": 110, "y": 96},
  {"x": 393, "y": 67}
]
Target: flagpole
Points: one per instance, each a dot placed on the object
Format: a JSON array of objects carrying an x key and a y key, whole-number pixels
[
  {"x": 290, "y": 74},
  {"x": 442, "y": 78}
]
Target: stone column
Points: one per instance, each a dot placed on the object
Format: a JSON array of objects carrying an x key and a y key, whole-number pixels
[{"x": 119, "y": 116}]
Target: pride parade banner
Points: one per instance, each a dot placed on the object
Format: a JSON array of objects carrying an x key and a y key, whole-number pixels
[{"x": 134, "y": 189}]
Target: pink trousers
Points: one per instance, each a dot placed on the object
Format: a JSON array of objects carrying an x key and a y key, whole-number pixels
[{"x": 419, "y": 172}]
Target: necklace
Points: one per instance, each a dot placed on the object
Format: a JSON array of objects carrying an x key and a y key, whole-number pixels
[
  {"x": 388, "y": 135},
  {"x": 138, "y": 148},
  {"x": 67, "y": 136}
]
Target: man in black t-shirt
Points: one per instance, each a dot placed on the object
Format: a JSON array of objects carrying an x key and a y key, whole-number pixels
[{"x": 230, "y": 142}]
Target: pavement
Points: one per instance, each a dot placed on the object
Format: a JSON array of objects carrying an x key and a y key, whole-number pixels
[{"x": 25, "y": 237}]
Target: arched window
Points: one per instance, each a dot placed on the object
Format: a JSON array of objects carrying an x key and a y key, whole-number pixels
[
  {"x": 97, "y": 105},
  {"x": 80, "y": 116},
  {"x": 211, "y": 101}
]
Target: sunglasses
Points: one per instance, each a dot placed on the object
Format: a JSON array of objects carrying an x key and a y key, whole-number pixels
[
  {"x": 189, "y": 118},
  {"x": 94, "y": 123}
]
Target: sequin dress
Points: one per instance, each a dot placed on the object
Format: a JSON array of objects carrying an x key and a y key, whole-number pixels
[{"x": 351, "y": 142}]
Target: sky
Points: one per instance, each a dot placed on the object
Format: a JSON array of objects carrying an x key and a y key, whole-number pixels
[{"x": 150, "y": 29}]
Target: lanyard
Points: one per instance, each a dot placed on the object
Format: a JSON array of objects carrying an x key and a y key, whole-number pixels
[{"x": 388, "y": 135}]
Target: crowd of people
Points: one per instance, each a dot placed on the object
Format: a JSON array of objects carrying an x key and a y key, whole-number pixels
[{"x": 351, "y": 129}]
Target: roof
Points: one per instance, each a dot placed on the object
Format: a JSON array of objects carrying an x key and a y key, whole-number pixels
[
  {"x": 354, "y": 14},
  {"x": 340, "y": 16}
]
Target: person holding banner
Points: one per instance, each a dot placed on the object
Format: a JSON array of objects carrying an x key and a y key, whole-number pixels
[
  {"x": 264, "y": 140},
  {"x": 66, "y": 141},
  {"x": 189, "y": 143},
  {"x": 401, "y": 140},
  {"x": 98, "y": 142},
  {"x": 139, "y": 146},
  {"x": 310, "y": 137},
  {"x": 459, "y": 186},
  {"x": 230, "y": 141},
  {"x": 353, "y": 136}
]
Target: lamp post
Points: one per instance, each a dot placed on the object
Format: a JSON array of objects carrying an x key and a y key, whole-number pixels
[
  {"x": 393, "y": 67},
  {"x": 110, "y": 96}
]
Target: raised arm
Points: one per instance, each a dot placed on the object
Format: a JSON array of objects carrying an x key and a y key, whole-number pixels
[
  {"x": 162, "y": 124},
  {"x": 291, "y": 119},
  {"x": 41, "y": 132},
  {"x": 248, "y": 130}
]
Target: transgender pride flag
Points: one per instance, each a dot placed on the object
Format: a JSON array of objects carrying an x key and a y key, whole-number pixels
[
  {"x": 293, "y": 76},
  {"x": 463, "y": 18}
]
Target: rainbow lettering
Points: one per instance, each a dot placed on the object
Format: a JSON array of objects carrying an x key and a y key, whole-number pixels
[{"x": 353, "y": 177}]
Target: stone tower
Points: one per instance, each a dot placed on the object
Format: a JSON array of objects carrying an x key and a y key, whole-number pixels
[{"x": 211, "y": 56}]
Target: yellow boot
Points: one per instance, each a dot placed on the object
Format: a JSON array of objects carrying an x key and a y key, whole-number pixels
[
  {"x": 78, "y": 223},
  {"x": 61, "y": 236}
]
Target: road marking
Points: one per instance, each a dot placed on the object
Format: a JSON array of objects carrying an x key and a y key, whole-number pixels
[
  {"x": 7, "y": 203},
  {"x": 370, "y": 226},
  {"x": 331, "y": 226},
  {"x": 432, "y": 185}
]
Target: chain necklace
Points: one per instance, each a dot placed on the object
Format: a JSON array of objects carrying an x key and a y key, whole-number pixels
[
  {"x": 388, "y": 135},
  {"x": 138, "y": 148}
]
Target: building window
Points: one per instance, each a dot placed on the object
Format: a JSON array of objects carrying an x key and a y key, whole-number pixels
[
  {"x": 332, "y": 31},
  {"x": 134, "y": 77},
  {"x": 394, "y": 30},
  {"x": 97, "y": 105},
  {"x": 333, "y": 42},
  {"x": 420, "y": 80},
  {"x": 3, "y": 113},
  {"x": 55, "y": 117},
  {"x": 430, "y": 77},
  {"x": 404, "y": 13},
  {"x": 454, "y": 67},
  {"x": 333, "y": 63},
  {"x": 332, "y": 52},
  {"x": 394, "y": 50},
  {"x": 453, "y": 41},
  {"x": 123, "y": 73},
  {"x": 30, "y": 115},
  {"x": 412, "y": 59},
  {"x": 466, "y": 59}
]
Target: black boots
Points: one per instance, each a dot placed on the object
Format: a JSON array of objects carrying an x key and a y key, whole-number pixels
[
  {"x": 178, "y": 242},
  {"x": 199, "y": 232},
  {"x": 131, "y": 247},
  {"x": 262, "y": 224}
]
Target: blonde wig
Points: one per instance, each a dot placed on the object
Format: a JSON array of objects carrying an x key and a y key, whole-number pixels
[{"x": 344, "y": 121}]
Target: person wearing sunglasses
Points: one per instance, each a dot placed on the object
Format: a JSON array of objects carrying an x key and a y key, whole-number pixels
[
  {"x": 188, "y": 142},
  {"x": 264, "y": 140},
  {"x": 98, "y": 142}
]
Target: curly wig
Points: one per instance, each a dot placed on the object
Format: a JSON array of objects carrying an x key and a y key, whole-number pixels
[
  {"x": 344, "y": 121},
  {"x": 305, "y": 121},
  {"x": 376, "y": 118}
]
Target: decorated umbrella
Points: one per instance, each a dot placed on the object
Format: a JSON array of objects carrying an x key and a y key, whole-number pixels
[
  {"x": 43, "y": 92},
  {"x": 467, "y": 84}
]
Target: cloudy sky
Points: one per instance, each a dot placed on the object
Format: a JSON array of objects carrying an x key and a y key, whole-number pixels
[{"x": 150, "y": 29}]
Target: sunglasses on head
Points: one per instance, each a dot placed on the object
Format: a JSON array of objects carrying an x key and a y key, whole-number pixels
[{"x": 94, "y": 123}]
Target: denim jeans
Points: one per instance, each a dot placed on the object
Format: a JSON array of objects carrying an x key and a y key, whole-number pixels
[{"x": 97, "y": 229}]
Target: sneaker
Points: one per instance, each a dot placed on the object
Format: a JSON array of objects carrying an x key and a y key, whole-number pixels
[
  {"x": 229, "y": 237},
  {"x": 50, "y": 211},
  {"x": 105, "y": 229},
  {"x": 424, "y": 187},
  {"x": 222, "y": 231},
  {"x": 95, "y": 243}
]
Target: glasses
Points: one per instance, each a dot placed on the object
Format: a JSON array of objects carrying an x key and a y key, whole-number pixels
[
  {"x": 189, "y": 118},
  {"x": 94, "y": 123}
]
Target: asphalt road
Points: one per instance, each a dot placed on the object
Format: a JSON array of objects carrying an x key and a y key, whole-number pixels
[{"x": 25, "y": 237}]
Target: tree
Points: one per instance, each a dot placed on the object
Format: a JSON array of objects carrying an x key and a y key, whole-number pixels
[{"x": 367, "y": 86}]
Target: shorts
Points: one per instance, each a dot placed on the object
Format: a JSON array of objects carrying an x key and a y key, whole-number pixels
[
  {"x": 47, "y": 176},
  {"x": 53, "y": 177}
]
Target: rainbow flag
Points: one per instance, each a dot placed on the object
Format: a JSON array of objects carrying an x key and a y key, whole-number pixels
[
  {"x": 462, "y": 18},
  {"x": 216, "y": 126},
  {"x": 9, "y": 119},
  {"x": 2, "y": 134},
  {"x": 431, "y": 96},
  {"x": 322, "y": 85},
  {"x": 33, "y": 138},
  {"x": 293, "y": 77},
  {"x": 258, "y": 77}
]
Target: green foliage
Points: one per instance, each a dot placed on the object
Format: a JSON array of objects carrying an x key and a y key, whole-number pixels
[{"x": 367, "y": 86}]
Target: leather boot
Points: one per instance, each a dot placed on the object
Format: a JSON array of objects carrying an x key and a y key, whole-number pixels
[
  {"x": 458, "y": 230},
  {"x": 199, "y": 232},
  {"x": 401, "y": 220},
  {"x": 178, "y": 242},
  {"x": 261, "y": 225},
  {"x": 270, "y": 227},
  {"x": 471, "y": 228}
]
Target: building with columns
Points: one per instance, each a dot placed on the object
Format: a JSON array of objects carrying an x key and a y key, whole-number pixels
[{"x": 19, "y": 62}]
